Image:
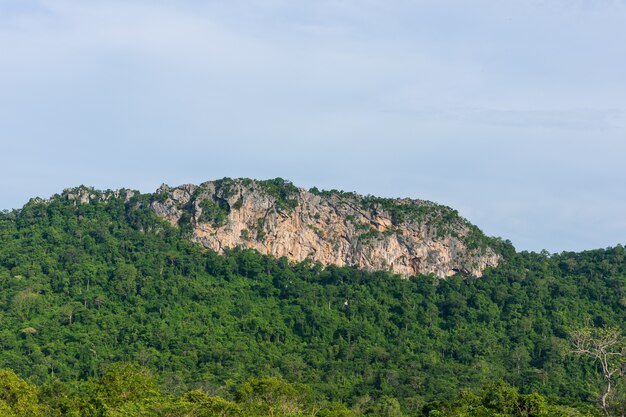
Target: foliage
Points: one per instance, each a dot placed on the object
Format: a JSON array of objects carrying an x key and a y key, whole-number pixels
[
  {"x": 283, "y": 191},
  {"x": 18, "y": 398},
  {"x": 107, "y": 281},
  {"x": 441, "y": 220},
  {"x": 606, "y": 347},
  {"x": 272, "y": 396},
  {"x": 128, "y": 390},
  {"x": 498, "y": 400},
  {"x": 214, "y": 212}
]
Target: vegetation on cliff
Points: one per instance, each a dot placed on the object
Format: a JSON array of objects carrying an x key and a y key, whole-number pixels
[{"x": 274, "y": 217}]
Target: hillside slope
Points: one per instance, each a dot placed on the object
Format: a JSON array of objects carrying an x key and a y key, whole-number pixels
[{"x": 89, "y": 278}]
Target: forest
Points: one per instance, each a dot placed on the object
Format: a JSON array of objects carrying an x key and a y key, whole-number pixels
[{"x": 106, "y": 310}]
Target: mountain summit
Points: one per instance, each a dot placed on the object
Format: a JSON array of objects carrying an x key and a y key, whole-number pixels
[{"x": 404, "y": 236}]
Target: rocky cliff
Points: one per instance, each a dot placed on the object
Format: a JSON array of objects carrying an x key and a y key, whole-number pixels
[{"x": 408, "y": 237}]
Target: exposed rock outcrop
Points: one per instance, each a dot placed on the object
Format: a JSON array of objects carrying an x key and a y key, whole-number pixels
[
  {"x": 408, "y": 237},
  {"x": 84, "y": 195}
]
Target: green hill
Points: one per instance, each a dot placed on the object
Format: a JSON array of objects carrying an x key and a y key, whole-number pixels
[{"x": 87, "y": 285}]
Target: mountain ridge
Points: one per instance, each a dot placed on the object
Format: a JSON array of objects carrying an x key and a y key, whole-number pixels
[{"x": 405, "y": 236}]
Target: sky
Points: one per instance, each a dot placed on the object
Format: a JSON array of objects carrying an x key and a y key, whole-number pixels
[{"x": 513, "y": 113}]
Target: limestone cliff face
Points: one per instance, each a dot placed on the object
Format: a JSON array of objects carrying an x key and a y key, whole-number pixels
[{"x": 408, "y": 237}]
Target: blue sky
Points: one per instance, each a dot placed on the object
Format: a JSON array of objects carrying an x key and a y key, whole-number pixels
[{"x": 512, "y": 112}]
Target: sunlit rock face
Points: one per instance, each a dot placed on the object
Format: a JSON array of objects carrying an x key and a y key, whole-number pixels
[{"x": 407, "y": 237}]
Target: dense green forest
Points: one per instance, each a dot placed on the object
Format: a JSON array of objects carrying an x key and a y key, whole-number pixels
[{"x": 107, "y": 310}]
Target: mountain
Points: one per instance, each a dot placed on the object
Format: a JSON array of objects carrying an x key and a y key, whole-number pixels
[
  {"x": 89, "y": 279},
  {"x": 407, "y": 237}
]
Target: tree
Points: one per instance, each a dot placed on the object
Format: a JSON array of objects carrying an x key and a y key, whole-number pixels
[
  {"x": 207, "y": 406},
  {"x": 605, "y": 346},
  {"x": 125, "y": 382},
  {"x": 385, "y": 407},
  {"x": 273, "y": 396},
  {"x": 18, "y": 398}
]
